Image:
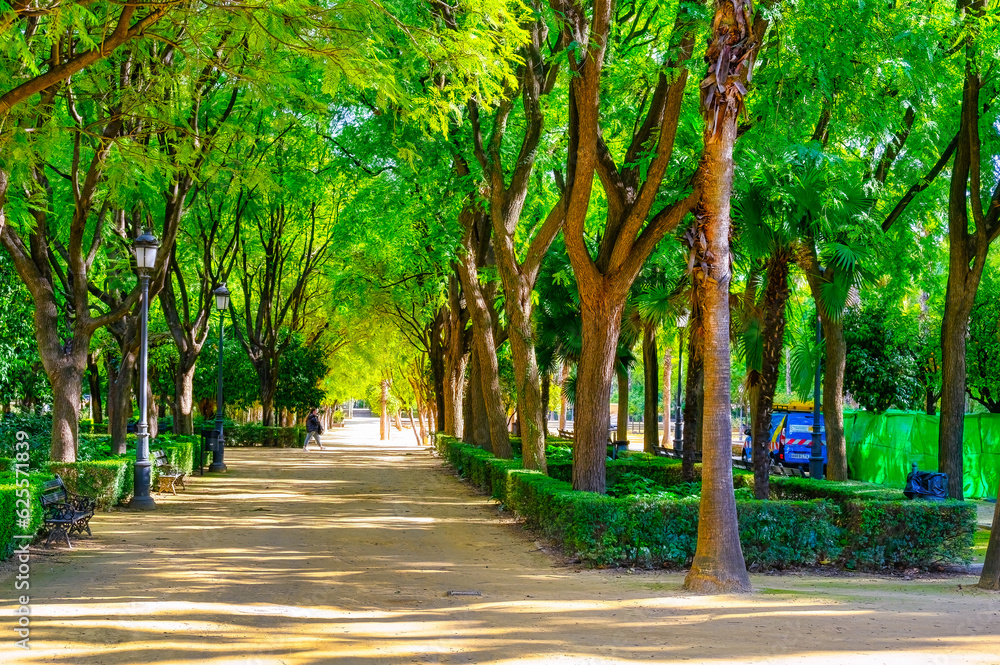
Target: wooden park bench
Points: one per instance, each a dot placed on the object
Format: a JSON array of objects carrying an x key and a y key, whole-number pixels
[
  {"x": 168, "y": 476},
  {"x": 65, "y": 512},
  {"x": 566, "y": 434}
]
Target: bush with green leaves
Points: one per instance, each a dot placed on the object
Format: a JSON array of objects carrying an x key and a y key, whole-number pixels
[
  {"x": 39, "y": 431},
  {"x": 849, "y": 524},
  {"x": 108, "y": 481}
]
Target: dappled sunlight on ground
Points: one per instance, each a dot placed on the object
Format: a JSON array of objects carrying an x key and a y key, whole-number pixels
[{"x": 348, "y": 556}]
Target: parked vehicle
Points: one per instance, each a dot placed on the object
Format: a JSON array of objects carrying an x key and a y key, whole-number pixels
[{"x": 791, "y": 436}]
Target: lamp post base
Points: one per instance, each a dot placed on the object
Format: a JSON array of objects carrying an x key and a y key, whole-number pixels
[
  {"x": 141, "y": 503},
  {"x": 218, "y": 467},
  {"x": 816, "y": 468}
]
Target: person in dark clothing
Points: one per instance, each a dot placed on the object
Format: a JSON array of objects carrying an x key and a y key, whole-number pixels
[{"x": 313, "y": 430}]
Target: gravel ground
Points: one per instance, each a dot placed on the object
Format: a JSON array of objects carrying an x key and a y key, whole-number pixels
[{"x": 348, "y": 556}]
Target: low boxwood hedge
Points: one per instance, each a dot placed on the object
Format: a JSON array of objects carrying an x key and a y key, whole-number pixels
[
  {"x": 251, "y": 434},
  {"x": 805, "y": 528},
  {"x": 9, "y": 525},
  {"x": 107, "y": 481}
]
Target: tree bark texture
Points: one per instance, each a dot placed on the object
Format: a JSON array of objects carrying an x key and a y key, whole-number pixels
[
  {"x": 667, "y": 402},
  {"x": 455, "y": 360},
  {"x": 623, "y": 382},
  {"x": 967, "y": 254},
  {"x": 591, "y": 414},
  {"x": 546, "y": 392},
  {"x": 694, "y": 390},
  {"x": 775, "y": 299},
  {"x": 564, "y": 377},
  {"x": 990, "y": 577},
  {"x": 477, "y": 431},
  {"x": 94, "y": 379},
  {"x": 718, "y": 565},
  {"x": 482, "y": 317},
  {"x": 651, "y": 402}
]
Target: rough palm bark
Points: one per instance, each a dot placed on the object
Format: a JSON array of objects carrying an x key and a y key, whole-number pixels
[{"x": 718, "y": 565}]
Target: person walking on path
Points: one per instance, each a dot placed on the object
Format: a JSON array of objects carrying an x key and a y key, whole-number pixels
[{"x": 313, "y": 430}]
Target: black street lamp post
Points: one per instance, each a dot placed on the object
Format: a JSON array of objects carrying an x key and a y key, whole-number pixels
[
  {"x": 218, "y": 464},
  {"x": 145, "y": 247},
  {"x": 816, "y": 452},
  {"x": 682, "y": 322}
]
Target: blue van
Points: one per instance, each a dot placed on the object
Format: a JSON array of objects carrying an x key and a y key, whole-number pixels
[{"x": 791, "y": 438}]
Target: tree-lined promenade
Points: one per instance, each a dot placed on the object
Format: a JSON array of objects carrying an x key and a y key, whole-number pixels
[{"x": 476, "y": 215}]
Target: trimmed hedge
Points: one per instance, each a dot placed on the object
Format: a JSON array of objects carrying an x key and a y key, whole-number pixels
[
  {"x": 603, "y": 530},
  {"x": 107, "y": 481},
  {"x": 181, "y": 450},
  {"x": 251, "y": 434},
  {"x": 9, "y": 508},
  {"x": 811, "y": 525}
]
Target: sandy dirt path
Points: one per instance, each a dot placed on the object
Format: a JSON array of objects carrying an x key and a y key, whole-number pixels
[{"x": 348, "y": 555}]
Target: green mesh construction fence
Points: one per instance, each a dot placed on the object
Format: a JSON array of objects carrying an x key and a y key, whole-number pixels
[{"x": 881, "y": 448}]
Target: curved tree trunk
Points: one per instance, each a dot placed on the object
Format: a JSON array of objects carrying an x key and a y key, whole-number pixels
[
  {"x": 529, "y": 392},
  {"x": 563, "y": 402},
  {"x": 482, "y": 338},
  {"x": 990, "y": 577},
  {"x": 546, "y": 393},
  {"x": 651, "y": 390}
]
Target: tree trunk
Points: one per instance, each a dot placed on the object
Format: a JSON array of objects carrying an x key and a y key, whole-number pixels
[
  {"x": 94, "y": 380},
  {"x": 667, "y": 362},
  {"x": 954, "y": 329},
  {"x": 623, "y": 382},
  {"x": 602, "y": 319},
  {"x": 455, "y": 360},
  {"x": 437, "y": 354},
  {"x": 120, "y": 405},
  {"x": 651, "y": 402},
  {"x": 529, "y": 394},
  {"x": 718, "y": 565},
  {"x": 833, "y": 398},
  {"x": 384, "y": 423},
  {"x": 67, "y": 384},
  {"x": 546, "y": 393},
  {"x": 990, "y": 577},
  {"x": 693, "y": 390},
  {"x": 562, "y": 395},
  {"x": 776, "y": 294},
  {"x": 483, "y": 340},
  {"x": 184, "y": 397},
  {"x": 477, "y": 431}
]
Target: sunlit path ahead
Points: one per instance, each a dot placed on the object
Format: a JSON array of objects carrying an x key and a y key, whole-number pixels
[{"x": 348, "y": 556}]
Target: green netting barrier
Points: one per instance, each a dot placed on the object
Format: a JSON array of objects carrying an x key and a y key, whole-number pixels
[{"x": 882, "y": 448}]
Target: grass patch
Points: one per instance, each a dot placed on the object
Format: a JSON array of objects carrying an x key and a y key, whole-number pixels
[{"x": 979, "y": 541}]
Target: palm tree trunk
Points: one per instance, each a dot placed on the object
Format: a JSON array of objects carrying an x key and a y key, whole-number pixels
[{"x": 622, "y": 403}]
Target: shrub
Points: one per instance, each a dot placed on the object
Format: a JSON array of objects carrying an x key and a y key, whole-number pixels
[
  {"x": 39, "y": 430},
  {"x": 8, "y": 510},
  {"x": 181, "y": 450},
  {"x": 252, "y": 434},
  {"x": 660, "y": 529},
  {"x": 108, "y": 481}
]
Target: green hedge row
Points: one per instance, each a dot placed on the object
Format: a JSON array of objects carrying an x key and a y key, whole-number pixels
[
  {"x": 9, "y": 508},
  {"x": 108, "y": 481},
  {"x": 259, "y": 435},
  {"x": 633, "y": 530}
]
